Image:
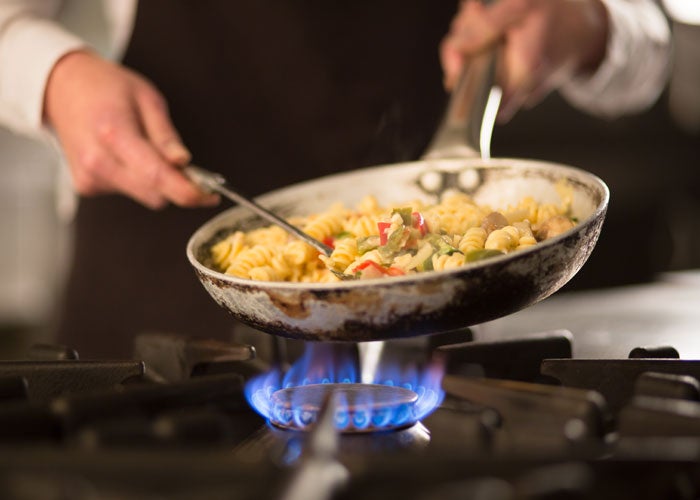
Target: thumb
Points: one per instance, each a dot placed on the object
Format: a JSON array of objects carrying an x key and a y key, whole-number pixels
[{"x": 159, "y": 127}]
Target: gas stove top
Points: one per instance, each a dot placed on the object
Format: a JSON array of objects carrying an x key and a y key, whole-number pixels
[{"x": 528, "y": 415}]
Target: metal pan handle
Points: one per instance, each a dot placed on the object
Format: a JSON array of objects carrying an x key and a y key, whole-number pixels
[{"x": 468, "y": 123}]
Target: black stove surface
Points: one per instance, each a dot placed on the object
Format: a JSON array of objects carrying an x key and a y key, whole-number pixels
[{"x": 521, "y": 419}]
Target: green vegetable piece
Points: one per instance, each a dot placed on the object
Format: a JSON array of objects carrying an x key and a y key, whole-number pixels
[
  {"x": 477, "y": 255},
  {"x": 364, "y": 245},
  {"x": 394, "y": 243},
  {"x": 447, "y": 249},
  {"x": 441, "y": 245},
  {"x": 406, "y": 215},
  {"x": 427, "y": 264}
]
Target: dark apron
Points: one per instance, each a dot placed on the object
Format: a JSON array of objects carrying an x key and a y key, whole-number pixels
[{"x": 268, "y": 92}]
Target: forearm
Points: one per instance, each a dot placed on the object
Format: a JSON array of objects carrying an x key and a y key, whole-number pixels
[
  {"x": 30, "y": 44},
  {"x": 636, "y": 65}
]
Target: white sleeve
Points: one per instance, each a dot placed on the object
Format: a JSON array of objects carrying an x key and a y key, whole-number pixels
[
  {"x": 636, "y": 66},
  {"x": 30, "y": 44}
]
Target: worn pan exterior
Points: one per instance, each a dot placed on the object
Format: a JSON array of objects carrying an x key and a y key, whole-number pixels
[{"x": 418, "y": 304}]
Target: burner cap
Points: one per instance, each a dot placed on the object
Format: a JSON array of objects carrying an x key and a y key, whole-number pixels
[{"x": 361, "y": 407}]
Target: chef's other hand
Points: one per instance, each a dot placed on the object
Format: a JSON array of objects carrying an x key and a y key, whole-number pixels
[
  {"x": 543, "y": 44},
  {"x": 116, "y": 133}
]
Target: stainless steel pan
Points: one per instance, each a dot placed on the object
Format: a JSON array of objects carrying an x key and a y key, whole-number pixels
[{"x": 430, "y": 302}]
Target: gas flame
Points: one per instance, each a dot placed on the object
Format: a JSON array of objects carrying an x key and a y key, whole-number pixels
[{"x": 329, "y": 363}]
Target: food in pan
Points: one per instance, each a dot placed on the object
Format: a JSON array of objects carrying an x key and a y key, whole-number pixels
[{"x": 371, "y": 241}]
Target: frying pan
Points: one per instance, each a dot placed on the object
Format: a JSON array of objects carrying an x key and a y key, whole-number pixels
[{"x": 429, "y": 302}]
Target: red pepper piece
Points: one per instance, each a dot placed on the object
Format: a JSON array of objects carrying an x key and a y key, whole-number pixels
[
  {"x": 419, "y": 223},
  {"x": 383, "y": 227},
  {"x": 365, "y": 264},
  {"x": 395, "y": 271},
  {"x": 391, "y": 271}
]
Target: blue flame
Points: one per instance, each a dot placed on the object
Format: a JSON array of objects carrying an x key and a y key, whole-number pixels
[{"x": 324, "y": 364}]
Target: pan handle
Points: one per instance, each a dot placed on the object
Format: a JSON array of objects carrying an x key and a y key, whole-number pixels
[{"x": 466, "y": 128}]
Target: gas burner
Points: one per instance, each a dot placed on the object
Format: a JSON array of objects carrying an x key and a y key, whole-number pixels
[
  {"x": 396, "y": 395},
  {"x": 360, "y": 408}
]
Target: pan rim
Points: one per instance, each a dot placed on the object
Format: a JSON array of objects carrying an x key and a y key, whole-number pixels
[{"x": 422, "y": 277}]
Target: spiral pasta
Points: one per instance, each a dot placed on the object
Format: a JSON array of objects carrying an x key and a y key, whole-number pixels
[
  {"x": 504, "y": 239},
  {"x": 372, "y": 241},
  {"x": 362, "y": 226},
  {"x": 324, "y": 226},
  {"x": 344, "y": 254},
  {"x": 473, "y": 239},
  {"x": 249, "y": 258}
]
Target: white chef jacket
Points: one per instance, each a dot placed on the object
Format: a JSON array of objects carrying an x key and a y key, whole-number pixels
[{"x": 34, "y": 34}]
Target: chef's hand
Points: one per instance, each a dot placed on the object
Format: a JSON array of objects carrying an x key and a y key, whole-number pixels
[
  {"x": 116, "y": 133},
  {"x": 544, "y": 43}
]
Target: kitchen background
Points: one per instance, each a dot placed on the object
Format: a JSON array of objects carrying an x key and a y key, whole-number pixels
[{"x": 651, "y": 163}]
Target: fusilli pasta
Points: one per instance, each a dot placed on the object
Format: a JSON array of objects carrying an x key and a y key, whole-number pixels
[{"x": 374, "y": 241}]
